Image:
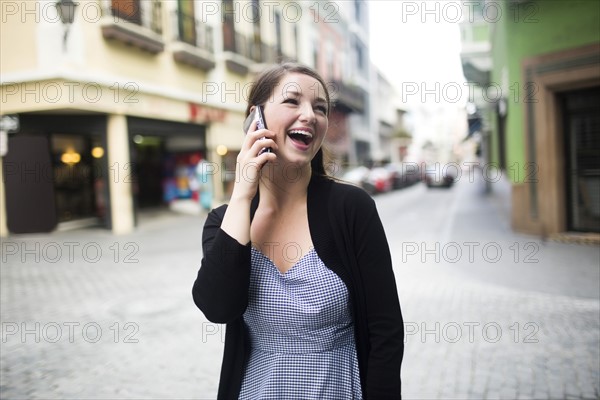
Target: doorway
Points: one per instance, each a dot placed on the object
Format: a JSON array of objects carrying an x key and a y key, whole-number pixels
[
  {"x": 582, "y": 158},
  {"x": 79, "y": 183}
]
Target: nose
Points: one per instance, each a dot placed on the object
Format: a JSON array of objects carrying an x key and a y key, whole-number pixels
[{"x": 307, "y": 114}]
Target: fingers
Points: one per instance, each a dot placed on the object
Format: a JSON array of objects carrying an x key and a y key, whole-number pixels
[
  {"x": 252, "y": 126},
  {"x": 254, "y": 144},
  {"x": 251, "y": 159},
  {"x": 262, "y": 143},
  {"x": 265, "y": 157},
  {"x": 264, "y": 138},
  {"x": 259, "y": 134}
]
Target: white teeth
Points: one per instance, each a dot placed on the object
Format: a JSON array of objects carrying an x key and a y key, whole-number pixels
[{"x": 301, "y": 133}]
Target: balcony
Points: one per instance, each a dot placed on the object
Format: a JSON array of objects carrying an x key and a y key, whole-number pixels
[
  {"x": 194, "y": 42},
  {"x": 237, "y": 52},
  {"x": 136, "y": 23},
  {"x": 246, "y": 54},
  {"x": 348, "y": 98}
]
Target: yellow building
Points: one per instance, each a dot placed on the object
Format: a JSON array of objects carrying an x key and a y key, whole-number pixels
[{"x": 117, "y": 108}]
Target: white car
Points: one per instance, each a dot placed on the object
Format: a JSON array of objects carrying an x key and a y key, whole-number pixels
[{"x": 359, "y": 176}]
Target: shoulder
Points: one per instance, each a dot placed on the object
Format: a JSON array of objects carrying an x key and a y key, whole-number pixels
[
  {"x": 341, "y": 200},
  {"x": 350, "y": 195}
]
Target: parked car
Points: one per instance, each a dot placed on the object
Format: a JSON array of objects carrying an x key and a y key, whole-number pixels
[
  {"x": 381, "y": 179},
  {"x": 359, "y": 176},
  {"x": 404, "y": 174},
  {"x": 373, "y": 181},
  {"x": 438, "y": 177}
]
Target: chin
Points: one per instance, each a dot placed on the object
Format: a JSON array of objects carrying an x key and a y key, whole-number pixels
[{"x": 296, "y": 160}]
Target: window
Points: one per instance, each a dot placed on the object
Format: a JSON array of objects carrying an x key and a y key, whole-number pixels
[
  {"x": 228, "y": 26},
  {"x": 128, "y": 10},
  {"x": 357, "y": 11},
  {"x": 278, "y": 35},
  {"x": 330, "y": 63},
  {"x": 128, "y": 16},
  {"x": 360, "y": 62},
  {"x": 186, "y": 21},
  {"x": 296, "y": 42}
]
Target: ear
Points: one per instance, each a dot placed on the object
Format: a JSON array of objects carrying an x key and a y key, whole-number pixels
[{"x": 252, "y": 109}]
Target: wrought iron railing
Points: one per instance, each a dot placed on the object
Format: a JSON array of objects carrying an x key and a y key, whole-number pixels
[
  {"x": 191, "y": 31},
  {"x": 253, "y": 49},
  {"x": 146, "y": 13}
]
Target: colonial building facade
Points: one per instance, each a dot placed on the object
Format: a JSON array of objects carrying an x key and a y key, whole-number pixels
[{"x": 118, "y": 108}]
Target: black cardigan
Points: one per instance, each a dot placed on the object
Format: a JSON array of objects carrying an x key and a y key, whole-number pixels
[{"x": 348, "y": 236}]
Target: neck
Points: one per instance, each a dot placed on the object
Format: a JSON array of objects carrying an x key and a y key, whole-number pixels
[{"x": 281, "y": 186}]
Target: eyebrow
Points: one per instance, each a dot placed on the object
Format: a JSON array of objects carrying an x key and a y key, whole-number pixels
[{"x": 297, "y": 93}]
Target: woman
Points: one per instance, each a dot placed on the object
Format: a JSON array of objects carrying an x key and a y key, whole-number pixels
[{"x": 298, "y": 265}]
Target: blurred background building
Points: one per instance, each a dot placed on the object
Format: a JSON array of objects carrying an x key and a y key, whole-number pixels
[
  {"x": 118, "y": 104},
  {"x": 534, "y": 70}
]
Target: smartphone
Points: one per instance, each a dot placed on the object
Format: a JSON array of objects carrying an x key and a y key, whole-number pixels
[
  {"x": 260, "y": 124},
  {"x": 261, "y": 118}
]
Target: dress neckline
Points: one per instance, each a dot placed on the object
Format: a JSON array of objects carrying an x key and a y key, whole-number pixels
[{"x": 272, "y": 263}]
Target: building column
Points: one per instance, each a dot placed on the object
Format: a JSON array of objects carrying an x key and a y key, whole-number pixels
[
  {"x": 119, "y": 180},
  {"x": 3, "y": 226}
]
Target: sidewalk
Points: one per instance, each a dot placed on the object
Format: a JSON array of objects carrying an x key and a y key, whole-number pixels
[
  {"x": 89, "y": 315},
  {"x": 518, "y": 321},
  {"x": 539, "y": 264}
]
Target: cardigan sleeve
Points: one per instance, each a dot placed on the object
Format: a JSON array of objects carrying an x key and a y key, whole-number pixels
[
  {"x": 221, "y": 287},
  {"x": 384, "y": 317}
]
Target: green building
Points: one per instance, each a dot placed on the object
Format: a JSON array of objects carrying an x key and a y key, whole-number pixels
[{"x": 536, "y": 65}]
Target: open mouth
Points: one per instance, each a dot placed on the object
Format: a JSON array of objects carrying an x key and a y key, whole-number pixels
[{"x": 301, "y": 136}]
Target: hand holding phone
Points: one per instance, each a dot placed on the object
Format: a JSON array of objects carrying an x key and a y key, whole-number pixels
[{"x": 260, "y": 123}]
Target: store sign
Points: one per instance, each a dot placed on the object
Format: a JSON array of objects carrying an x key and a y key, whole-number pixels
[{"x": 203, "y": 114}]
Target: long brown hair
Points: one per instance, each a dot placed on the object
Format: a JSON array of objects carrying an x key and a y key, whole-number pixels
[{"x": 263, "y": 87}]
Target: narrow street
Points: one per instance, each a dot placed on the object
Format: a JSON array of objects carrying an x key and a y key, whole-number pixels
[{"x": 489, "y": 314}]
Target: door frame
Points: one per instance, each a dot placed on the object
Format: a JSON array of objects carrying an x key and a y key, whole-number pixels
[{"x": 539, "y": 203}]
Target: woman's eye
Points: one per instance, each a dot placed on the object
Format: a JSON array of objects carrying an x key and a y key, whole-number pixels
[
  {"x": 322, "y": 109},
  {"x": 291, "y": 101}
]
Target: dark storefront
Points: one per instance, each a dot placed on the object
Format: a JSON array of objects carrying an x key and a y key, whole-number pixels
[
  {"x": 57, "y": 175},
  {"x": 164, "y": 157}
]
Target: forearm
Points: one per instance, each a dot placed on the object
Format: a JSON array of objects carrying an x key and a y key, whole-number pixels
[{"x": 236, "y": 222}]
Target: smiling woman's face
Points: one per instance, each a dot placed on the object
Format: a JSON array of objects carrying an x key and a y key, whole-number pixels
[{"x": 297, "y": 113}]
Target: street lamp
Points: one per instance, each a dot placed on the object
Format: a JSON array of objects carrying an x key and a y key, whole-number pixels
[{"x": 66, "y": 11}]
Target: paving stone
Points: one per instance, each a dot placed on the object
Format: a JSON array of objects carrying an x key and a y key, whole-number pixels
[{"x": 475, "y": 333}]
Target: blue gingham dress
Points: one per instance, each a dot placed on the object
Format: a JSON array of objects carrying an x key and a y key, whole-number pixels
[{"x": 301, "y": 333}]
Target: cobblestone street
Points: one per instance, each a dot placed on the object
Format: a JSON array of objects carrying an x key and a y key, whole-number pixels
[{"x": 489, "y": 314}]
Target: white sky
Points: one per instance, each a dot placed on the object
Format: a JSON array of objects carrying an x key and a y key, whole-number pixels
[
  {"x": 407, "y": 50},
  {"x": 416, "y": 43}
]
